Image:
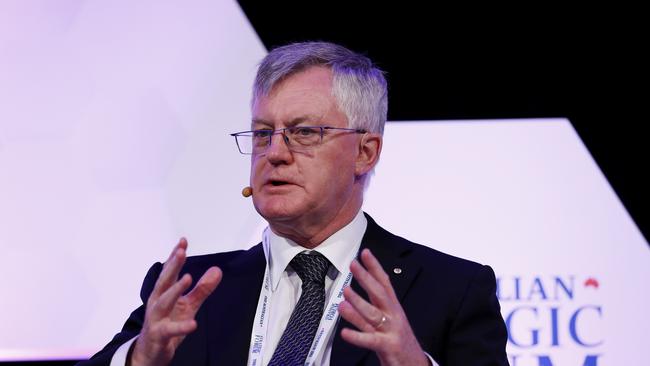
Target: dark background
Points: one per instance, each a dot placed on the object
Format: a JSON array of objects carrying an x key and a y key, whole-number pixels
[{"x": 496, "y": 61}]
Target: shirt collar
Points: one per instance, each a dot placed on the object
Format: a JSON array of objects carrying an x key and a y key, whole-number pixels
[{"x": 340, "y": 248}]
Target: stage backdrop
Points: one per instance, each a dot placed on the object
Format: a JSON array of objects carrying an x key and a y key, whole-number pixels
[{"x": 114, "y": 122}]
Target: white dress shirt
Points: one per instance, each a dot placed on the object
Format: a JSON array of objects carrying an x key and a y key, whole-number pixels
[{"x": 340, "y": 249}]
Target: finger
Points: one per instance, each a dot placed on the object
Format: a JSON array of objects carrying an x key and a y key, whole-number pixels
[
  {"x": 376, "y": 292},
  {"x": 369, "y": 312},
  {"x": 364, "y": 340},
  {"x": 169, "y": 273},
  {"x": 349, "y": 313},
  {"x": 375, "y": 269},
  {"x": 206, "y": 285},
  {"x": 182, "y": 244},
  {"x": 171, "y": 269},
  {"x": 171, "y": 329},
  {"x": 168, "y": 299}
]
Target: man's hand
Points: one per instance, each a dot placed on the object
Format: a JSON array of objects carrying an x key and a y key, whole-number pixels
[
  {"x": 382, "y": 324},
  {"x": 170, "y": 316}
]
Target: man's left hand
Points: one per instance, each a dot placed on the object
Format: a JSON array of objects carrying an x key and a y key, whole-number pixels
[{"x": 383, "y": 326}]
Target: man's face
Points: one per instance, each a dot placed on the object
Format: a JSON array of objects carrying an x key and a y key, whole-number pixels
[{"x": 308, "y": 186}]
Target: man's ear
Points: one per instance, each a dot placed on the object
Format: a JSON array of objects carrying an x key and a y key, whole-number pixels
[{"x": 369, "y": 151}]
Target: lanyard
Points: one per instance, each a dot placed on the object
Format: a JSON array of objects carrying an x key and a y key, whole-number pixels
[{"x": 327, "y": 322}]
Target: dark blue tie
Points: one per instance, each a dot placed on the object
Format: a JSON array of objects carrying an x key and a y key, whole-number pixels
[{"x": 303, "y": 323}]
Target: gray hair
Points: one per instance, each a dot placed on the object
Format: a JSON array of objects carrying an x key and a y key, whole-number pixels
[{"x": 359, "y": 87}]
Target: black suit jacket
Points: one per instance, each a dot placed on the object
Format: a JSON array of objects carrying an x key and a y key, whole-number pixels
[{"x": 450, "y": 302}]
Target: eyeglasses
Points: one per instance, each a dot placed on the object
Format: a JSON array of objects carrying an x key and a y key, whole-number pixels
[{"x": 297, "y": 138}]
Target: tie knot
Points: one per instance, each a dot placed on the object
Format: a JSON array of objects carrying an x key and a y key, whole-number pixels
[{"x": 310, "y": 267}]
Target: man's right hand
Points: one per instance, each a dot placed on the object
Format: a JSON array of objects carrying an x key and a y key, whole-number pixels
[{"x": 170, "y": 315}]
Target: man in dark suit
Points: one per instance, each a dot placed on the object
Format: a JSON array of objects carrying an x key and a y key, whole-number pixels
[{"x": 317, "y": 130}]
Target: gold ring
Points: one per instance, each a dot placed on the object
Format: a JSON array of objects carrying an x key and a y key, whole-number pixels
[{"x": 381, "y": 322}]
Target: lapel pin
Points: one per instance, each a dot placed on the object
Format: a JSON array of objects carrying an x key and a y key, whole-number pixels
[{"x": 397, "y": 270}]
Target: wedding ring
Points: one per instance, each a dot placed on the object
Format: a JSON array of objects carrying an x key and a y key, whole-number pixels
[{"x": 381, "y": 322}]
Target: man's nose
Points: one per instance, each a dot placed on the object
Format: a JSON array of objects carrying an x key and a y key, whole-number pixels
[{"x": 278, "y": 151}]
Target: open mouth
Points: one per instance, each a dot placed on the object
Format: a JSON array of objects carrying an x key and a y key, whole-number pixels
[{"x": 277, "y": 183}]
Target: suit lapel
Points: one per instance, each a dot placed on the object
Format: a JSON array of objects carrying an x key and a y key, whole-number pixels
[
  {"x": 232, "y": 308},
  {"x": 395, "y": 258}
]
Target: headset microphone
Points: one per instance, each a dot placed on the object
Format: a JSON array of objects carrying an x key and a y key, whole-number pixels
[{"x": 247, "y": 191}]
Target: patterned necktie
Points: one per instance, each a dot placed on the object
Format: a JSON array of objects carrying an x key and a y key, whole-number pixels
[{"x": 303, "y": 323}]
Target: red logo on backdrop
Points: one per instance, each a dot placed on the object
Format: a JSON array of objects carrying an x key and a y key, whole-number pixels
[{"x": 591, "y": 282}]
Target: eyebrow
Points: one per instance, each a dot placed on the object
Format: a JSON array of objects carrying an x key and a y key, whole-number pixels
[{"x": 291, "y": 123}]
